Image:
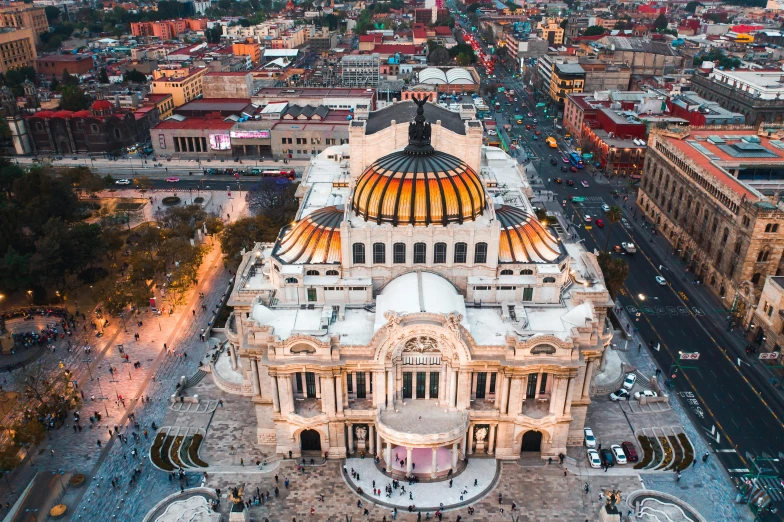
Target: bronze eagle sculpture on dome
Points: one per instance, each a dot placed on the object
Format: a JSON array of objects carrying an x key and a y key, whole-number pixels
[{"x": 419, "y": 130}]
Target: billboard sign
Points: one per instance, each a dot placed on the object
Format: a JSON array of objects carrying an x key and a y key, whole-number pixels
[
  {"x": 250, "y": 134},
  {"x": 220, "y": 142}
]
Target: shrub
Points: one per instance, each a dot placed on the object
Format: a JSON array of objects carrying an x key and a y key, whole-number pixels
[
  {"x": 170, "y": 201},
  {"x": 175, "y": 452},
  {"x": 193, "y": 451},
  {"x": 199, "y": 200},
  {"x": 159, "y": 448},
  {"x": 678, "y": 452},
  {"x": 77, "y": 480},
  {"x": 688, "y": 451},
  {"x": 647, "y": 452}
]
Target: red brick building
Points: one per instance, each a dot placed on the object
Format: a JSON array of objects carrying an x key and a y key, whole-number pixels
[{"x": 56, "y": 64}]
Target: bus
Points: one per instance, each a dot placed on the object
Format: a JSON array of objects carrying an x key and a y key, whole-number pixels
[
  {"x": 290, "y": 174},
  {"x": 576, "y": 160},
  {"x": 551, "y": 142}
]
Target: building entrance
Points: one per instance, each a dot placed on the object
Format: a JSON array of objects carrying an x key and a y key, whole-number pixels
[{"x": 532, "y": 441}]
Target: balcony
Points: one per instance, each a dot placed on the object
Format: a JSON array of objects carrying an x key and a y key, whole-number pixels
[
  {"x": 307, "y": 407},
  {"x": 537, "y": 408}
]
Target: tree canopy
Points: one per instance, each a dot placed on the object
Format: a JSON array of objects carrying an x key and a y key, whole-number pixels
[
  {"x": 594, "y": 30},
  {"x": 615, "y": 271},
  {"x": 717, "y": 56},
  {"x": 660, "y": 22}
]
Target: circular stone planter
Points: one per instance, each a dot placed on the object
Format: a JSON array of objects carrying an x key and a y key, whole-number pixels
[
  {"x": 58, "y": 511},
  {"x": 170, "y": 200},
  {"x": 77, "y": 480}
]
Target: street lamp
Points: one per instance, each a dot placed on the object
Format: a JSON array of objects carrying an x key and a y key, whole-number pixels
[
  {"x": 88, "y": 361},
  {"x": 30, "y": 297},
  {"x": 642, "y": 297}
]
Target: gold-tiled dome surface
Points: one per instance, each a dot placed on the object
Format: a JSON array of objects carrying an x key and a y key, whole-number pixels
[
  {"x": 435, "y": 188},
  {"x": 313, "y": 239},
  {"x": 523, "y": 238}
]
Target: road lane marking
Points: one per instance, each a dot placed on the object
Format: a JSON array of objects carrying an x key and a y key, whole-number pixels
[
  {"x": 738, "y": 470},
  {"x": 726, "y": 450}
]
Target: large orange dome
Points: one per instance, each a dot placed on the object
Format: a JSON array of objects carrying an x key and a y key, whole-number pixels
[
  {"x": 313, "y": 239},
  {"x": 419, "y": 185}
]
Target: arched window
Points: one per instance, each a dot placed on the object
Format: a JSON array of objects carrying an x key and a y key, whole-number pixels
[
  {"x": 768, "y": 227},
  {"x": 480, "y": 253},
  {"x": 420, "y": 253},
  {"x": 755, "y": 278},
  {"x": 291, "y": 280},
  {"x": 507, "y": 272},
  {"x": 379, "y": 253},
  {"x": 461, "y": 252},
  {"x": 762, "y": 256},
  {"x": 399, "y": 253},
  {"x": 312, "y": 273},
  {"x": 725, "y": 235},
  {"x": 332, "y": 272},
  {"x": 548, "y": 280},
  {"x": 359, "y": 253},
  {"x": 439, "y": 253},
  {"x": 774, "y": 228},
  {"x": 526, "y": 271}
]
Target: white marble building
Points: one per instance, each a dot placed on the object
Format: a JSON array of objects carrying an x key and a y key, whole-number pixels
[{"x": 417, "y": 303}]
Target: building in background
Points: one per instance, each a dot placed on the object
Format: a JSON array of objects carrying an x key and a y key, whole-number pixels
[
  {"x": 757, "y": 94},
  {"x": 183, "y": 84},
  {"x": 566, "y": 78},
  {"x": 767, "y": 323},
  {"x": 551, "y": 32},
  {"x": 321, "y": 40},
  {"x": 360, "y": 70},
  {"x": 714, "y": 194},
  {"x": 248, "y": 48},
  {"x": 17, "y": 48},
  {"x": 55, "y": 65},
  {"x": 700, "y": 112},
  {"x": 25, "y": 15}
]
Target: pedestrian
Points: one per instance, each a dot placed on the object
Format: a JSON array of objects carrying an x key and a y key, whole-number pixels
[
  {"x": 450, "y": 483},
  {"x": 694, "y": 463},
  {"x": 678, "y": 476},
  {"x": 52, "y": 453},
  {"x": 99, "y": 443},
  {"x": 705, "y": 457}
]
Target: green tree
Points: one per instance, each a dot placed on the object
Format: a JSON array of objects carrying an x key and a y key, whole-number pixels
[
  {"x": 612, "y": 216},
  {"x": 103, "y": 77},
  {"x": 660, "y": 22},
  {"x": 134, "y": 76},
  {"x": 692, "y": 6},
  {"x": 438, "y": 56},
  {"x": 73, "y": 98},
  {"x": 564, "y": 23},
  {"x": 594, "y": 30},
  {"x": 615, "y": 271},
  {"x": 52, "y": 14},
  {"x": 68, "y": 79},
  {"x": 244, "y": 233}
]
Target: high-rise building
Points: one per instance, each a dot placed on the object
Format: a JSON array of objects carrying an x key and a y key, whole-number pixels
[
  {"x": 17, "y": 48},
  {"x": 25, "y": 16}
]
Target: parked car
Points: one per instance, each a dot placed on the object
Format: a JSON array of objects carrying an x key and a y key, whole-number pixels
[
  {"x": 620, "y": 458},
  {"x": 172, "y": 180},
  {"x": 606, "y": 207},
  {"x": 619, "y": 395},
  {"x": 590, "y": 440},
  {"x": 122, "y": 182},
  {"x": 565, "y": 159},
  {"x": 587, "y": 218},
  {"x": 617, "y": 249},
  {"x": 661, "y": 281},
  {"x": 630, "y": 451},
  {"x": 629, "y": 381},
  {"x": 593, "y": 458},
  {"x": 607, "y": 457},
  {"x": 644, "y": 393},
  {"x": 600, "y": 223}
]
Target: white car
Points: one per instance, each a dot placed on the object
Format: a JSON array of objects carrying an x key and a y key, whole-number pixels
[
  {"x": 593, "y": 459},
  {"x": 606, "y": 207},
  {"x": 645, "y": 393},
  {"x": 590, "y": 440},
  {"x": 619, "y": 395},
  {"x": 122, "y": 182},
  {"x": 587, "y": 218},
  {"x": 491, "y": 132},
  {"x": 629, "y": 381},
  {"x": 661, "y": 281},
  {"x": 620, "y": 456}
]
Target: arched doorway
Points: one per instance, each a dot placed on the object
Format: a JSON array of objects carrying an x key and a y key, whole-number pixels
[
  {"x": 310, "y": 440},
  {"x": 532, "y": 441}
]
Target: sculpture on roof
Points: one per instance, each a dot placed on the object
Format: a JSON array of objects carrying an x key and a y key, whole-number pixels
[{"x": 419, "y": 130}]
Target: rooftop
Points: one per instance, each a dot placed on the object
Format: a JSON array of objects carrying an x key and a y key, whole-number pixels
[
  {"x": 183, "y": 123},
  {"x": 320, "y": 92},
  {"x": 406, "y": 111}
]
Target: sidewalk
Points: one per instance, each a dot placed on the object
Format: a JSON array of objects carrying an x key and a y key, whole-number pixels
[{"x": 736, "y": 341}]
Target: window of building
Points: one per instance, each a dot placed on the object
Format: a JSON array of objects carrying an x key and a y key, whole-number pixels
[
  {"x": 312, "y": 273},
  {"x": 332, "y": 272},
  {"x": 526, "y": 271},
  {"x": 291, "y": 280},
  {"x": 762, "y": 256},
  {"x": 461, "y": 252},
  {"x": 399, "y": 253},
  {"x": 755, "y": 278},
  {"x": 420, "y": 253},
  {"x": 379, "y": 253},
  {"x": 94, "y": 128},
  {"x": 359, "y": 253},
  {"x": 528, "y": 294},
  {"x": 439, "y": 253},
  {"x": 480, "y": 253},
  {"x": 548, "y": 280},
  {"x": 507, "y": 272}
]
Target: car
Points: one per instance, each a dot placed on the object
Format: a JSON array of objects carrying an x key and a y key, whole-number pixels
[
  {"x": 565, "y": 159},
  {"x": 573, "y": 168},
  {"x": 587, "y": 218},
  {"x": 607, "y": 457},
  {"x": 600, "y": 223},
  {"x": 619, "y": 395},
  {"x": 630, "y": 451},
  {"x": 536, "y": 138},
  {"x": 660, "y": 281},
  {"x": 491, "y": 132},
  {"x": 617, "y": 249},
  {"x": 538, "y": 133},
  {"x": 172, "y": 180},
  {"x": 620, "y": 458},
  {"x": 527, "y": 127},
  {"x": 564, "y": 168},
  {"x": 533, "y": 126},
  {"x": 516, "y": 99},
  {"x": 629, "y": 381},
  {"x": 535, "y": 120},
  {"x": 553, "y": 161},
  {"x": 606, "y": 207},
  {"x": 570, "y": 182},
  {"x": 590, "y": 440},
  {"x": 645, "y": 394},
  {"x": 517, "y": 109},
  {"x": 530, "y": 114},
  {"x": 558, "y": 180},
  {"x": 593, "y": 458},
  {"x": 122, "y": 182},
  {"x": 584, "y": 183}
]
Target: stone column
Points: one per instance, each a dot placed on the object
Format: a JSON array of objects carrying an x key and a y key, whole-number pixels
[
  {"x": 453, "y": 388},
  {"x": 354, "y": 383},
  {"x": 504, "y": 401},
  {"x": 588, "y": 376},
  {"x": 379, "y": 448},
  {"x": 371, "y": 439},
  {"x": 556, "y": 396},
  {"x": 379, "y": 390},
  {"x": 454, "y": 457},
  {"x": 408, "y": 461},
  {"x": 470, "y": 439},
  {"x": 491, "y": 440},
  {"x": 233, "y": 356},
  {"x": 427, "y": 384},
  {"x": 434, "y": 464},
  {"x": 464, "y": 444},
  {"x": 318, "y": 386},
  {"x": 328, "y": 397},
  {"x": 388, "y": 456},
  {"x": 442, "y": 384},
  {"x": 339, "y": 393},
  {"x": 390, "y": 389},
  {"x": 275, "y": 395},
  {"x": 284, "y": 389},
  {"x": 350, "y": 438},
  {"x": 567, "y": 408},
  {"x": 254, "y": 377},
  {"x": 538, "y": 384}
]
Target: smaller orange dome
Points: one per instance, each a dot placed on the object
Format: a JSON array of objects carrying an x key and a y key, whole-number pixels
[
  {"x": 313, "y": 239},
  {"x": 102, "y": 105},
  {"x": 524, "y": 239}
]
